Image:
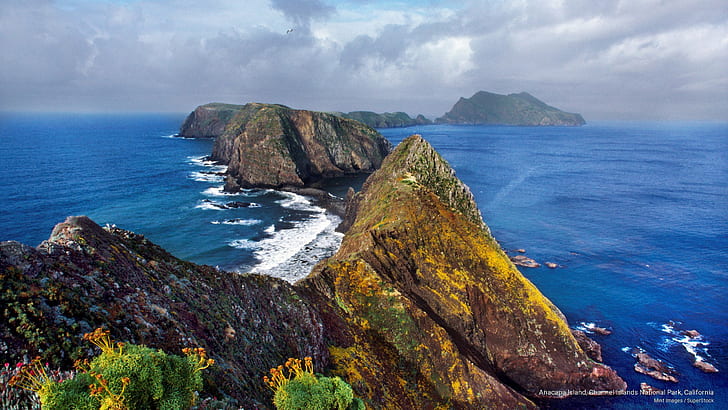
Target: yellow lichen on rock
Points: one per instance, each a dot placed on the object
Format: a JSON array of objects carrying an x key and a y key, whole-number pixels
[{"x": 422, "y": 278}]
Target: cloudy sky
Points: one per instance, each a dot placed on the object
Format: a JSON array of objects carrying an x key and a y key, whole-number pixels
[{"x": 629, "y": 59}]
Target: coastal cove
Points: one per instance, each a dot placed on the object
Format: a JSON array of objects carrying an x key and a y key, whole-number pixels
[{"x": 633, "y": 213}]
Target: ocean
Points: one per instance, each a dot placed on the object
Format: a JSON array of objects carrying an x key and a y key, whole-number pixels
[{"x": 635, "y": 215}]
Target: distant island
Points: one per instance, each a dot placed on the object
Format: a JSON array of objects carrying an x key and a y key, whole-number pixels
[
  {"x": 522, "y": 109},
  {"x": 385, "y": 120},
  {"x": 513, "y": 109}
]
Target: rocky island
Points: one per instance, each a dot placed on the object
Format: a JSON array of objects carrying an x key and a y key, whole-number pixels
[
  {"x": 419, "y": 308},
  {"x": 274, "y": 146},
  {"x": 513, "y": 109},
  {"x": 386, "y": 120}
]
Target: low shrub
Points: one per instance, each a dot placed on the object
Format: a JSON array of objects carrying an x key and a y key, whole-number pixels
[
  {"x": 122, "y": 377},
  {"x": 296, "y": 387}
]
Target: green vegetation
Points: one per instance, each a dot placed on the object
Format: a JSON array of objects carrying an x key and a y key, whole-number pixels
[
  {"x": 386, "y": 120},
  {"x": 301, "y": 389},
  {"x": 122, "y": 377}
]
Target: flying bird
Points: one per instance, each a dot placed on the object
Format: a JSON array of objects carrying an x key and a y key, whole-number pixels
[{"x": 289, "y": 31}]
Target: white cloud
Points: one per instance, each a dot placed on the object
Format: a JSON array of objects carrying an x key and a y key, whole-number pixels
[
  {"x": 602, "y": 59},
  {"x": 449, "y": 57}
]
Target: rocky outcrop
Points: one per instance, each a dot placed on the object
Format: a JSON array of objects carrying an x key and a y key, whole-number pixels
[
  {"x": 273, "y": 146},
  {"x": 387, "y": 119},
  {"x": 525, "y": 261},
  {"x": 209, "y": 120},
  {"x": 589, "y": 346},
  {"x": 86, "y": 276},
  {"x": 423, "y": 287},
  {"x": 512, "y": 109},
  {"x": 705, "y": 367},
  {"x": 654, "y": 368}
]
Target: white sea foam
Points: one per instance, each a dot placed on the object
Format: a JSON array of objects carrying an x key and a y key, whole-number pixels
[
  {"x": 692, "y": 345},
  {"x": 291, "y": 253},
  {"x": 221, "y": 206},
  {"x": 284, "y": 244},
  {"x": 244, "y": 222},
  {"x": 219, "y": 191},
  {"x": 586, "y": 327},
  {"x": 298, "y": 203},
  {"x": 204, "y": 161},
  {"x": 243, "y": 244},
  {"x": 206, "y": 176},
  {"x": 696, "y": 346},
  {"x": 667, "y": 328},
  {"x": 216, "y": 206}
]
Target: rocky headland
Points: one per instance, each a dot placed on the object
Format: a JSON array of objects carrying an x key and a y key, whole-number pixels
[
  {"x": 209, "y": 120},
  {"x": 521, "y": 109},
  {"x": 419, "y": 308},
  {"x": 386, "y": 120},
  {"x": 274, "y": 146}
]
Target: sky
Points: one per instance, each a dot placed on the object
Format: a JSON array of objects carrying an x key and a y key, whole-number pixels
[{"x": 608, "y": 60}]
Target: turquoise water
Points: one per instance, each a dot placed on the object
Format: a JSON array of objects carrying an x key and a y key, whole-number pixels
[{"x": 636, "y": 214}]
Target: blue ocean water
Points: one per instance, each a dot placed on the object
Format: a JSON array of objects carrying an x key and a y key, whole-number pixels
[
  {"x": 130, "y": 171},
  {"x": 635, "y": 214}
]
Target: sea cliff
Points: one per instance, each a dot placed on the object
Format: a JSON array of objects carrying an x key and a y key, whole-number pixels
[
  {"x": 419, "y": 308},
  {"x": 513, "y": 109},
  {"x": 274, "y": 146},
  {"x": 209, "y": 120}
]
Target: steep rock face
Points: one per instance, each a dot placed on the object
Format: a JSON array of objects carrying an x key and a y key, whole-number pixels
[
  {"x": 387, "y": 119},
  {"x": 513, "y": 109},
  {"x": 86, "y": 276},
  {"x": 421, "y": 279},
  {"x": 274, "y": 146},
  {"x": 209, "y": 120}
]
